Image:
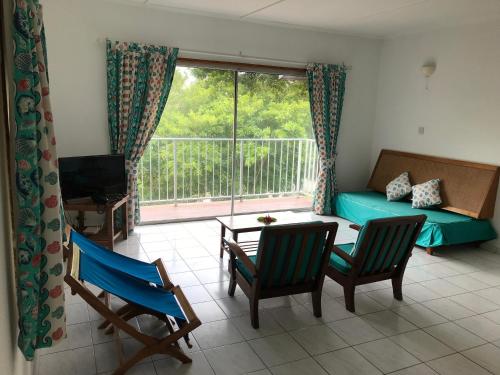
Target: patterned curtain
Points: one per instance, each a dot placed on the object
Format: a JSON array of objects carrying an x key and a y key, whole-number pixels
[
  {"x": 38, "y": 197},
  {"x": 326, "y": 94},
  {"x": 139, "y": 81}
]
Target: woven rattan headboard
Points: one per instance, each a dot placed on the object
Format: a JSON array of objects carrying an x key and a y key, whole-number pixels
[{"x": 467, "y": 188}]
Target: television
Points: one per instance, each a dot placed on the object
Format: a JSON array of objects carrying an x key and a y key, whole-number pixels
[{"x": 95, "y": 176}]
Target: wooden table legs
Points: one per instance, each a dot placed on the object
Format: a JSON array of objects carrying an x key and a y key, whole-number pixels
[{"x": 222, "y": 244}]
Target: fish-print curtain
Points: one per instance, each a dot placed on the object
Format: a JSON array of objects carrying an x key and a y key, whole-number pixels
[
  {"x": 326, "y": 85},
  {"x": 39, "y": 266},
  {"x": 139, "y": 81}
]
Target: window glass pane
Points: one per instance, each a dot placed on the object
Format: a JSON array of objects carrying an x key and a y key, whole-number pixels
[
  {"x": 186, "y": 169},
  {"x": 275, "y": 149}
]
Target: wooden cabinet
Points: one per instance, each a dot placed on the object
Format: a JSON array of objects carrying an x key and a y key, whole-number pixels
[{"x": 110, "y": 231}]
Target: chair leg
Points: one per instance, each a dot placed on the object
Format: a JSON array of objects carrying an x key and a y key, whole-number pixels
[
  {"x": 232, "y": 272},
  {"x": 254, "y": 312},
  {"x": 232, "y": 287},
  {"x": 316, "y": 301},
  {"x": 349, "y": 297},
  {"x": 397, "y": 288}
]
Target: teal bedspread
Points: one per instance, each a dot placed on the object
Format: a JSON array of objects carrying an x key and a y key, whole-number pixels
[{"x": 440, "y": 228}]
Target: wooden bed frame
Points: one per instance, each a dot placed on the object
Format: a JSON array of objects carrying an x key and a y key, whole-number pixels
[{"x": 467, "y": 188}]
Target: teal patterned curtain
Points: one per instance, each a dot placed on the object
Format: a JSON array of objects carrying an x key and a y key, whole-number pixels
[
  {"x": 38, "y": 226},
  {"x": 139, "y": 81},
  {"x": 326, "y": 95}
]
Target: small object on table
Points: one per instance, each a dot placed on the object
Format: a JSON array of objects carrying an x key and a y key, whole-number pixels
[{"x": 266, "y": 219}]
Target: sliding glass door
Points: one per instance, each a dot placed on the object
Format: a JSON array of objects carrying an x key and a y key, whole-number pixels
[
  {"x": 193, "y": 162},
  {"x": 186, "y": 171},
  {"x": 274, "y": 139}
]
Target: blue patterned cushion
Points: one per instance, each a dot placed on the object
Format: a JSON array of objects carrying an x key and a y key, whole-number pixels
[
  {"x": 398, "y": 188},
  {"x": 426, "y": 194}
]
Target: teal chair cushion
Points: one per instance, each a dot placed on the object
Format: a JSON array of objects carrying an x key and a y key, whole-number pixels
[
  {"x": 243, "y": 270},
  {"x": 348, "y": 248},
  {"x": 339, "y": 263}
]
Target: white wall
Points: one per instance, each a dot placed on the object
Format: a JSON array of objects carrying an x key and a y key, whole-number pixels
[
  {"x": 461, "y": 109},
  {"x": 78, "y": 79}
]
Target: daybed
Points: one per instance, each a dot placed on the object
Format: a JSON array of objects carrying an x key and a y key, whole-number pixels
[{"x": 468, "y": 191}]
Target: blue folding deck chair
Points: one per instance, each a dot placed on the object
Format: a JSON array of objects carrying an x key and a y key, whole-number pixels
[
  {"x": 144, "y": 287},
  {"x": 154, "y": 273}
]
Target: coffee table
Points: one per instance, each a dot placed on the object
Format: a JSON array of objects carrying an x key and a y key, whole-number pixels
[{"x": 237, "y": 224}]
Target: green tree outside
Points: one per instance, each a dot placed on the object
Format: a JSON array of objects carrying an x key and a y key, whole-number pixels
[{"x": 200, "y": 105}]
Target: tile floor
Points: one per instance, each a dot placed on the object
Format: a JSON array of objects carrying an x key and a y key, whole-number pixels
[{"x": 448, "y": 323}]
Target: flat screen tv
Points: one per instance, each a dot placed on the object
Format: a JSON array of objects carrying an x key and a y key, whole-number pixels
[{"x": 91, "y": 176}]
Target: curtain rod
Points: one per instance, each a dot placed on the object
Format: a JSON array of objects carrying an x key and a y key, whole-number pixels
[
  {"x": 241, "y": 56},
  {"x": 298, "y": 64},
  {"x": 241, "y": 66}
]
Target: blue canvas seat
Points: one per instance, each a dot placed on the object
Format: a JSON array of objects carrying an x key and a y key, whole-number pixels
[
  {"x": 133, "y": 267},
  {"x": 128, "y": 288}
]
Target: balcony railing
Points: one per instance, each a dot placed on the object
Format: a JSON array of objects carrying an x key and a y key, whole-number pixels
[{"x": 175, "y": 170}]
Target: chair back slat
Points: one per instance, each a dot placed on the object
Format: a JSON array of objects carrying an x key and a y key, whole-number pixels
[
  {"x": 371, "y": 238},
  {"x": 399, "y": 252},
  {"x": 384, "y": 264},
  {"x": 292, "y": 254},
  {"x": 386, "y": 243},
  {"x": 296, "y": 268},
  {"x": 312, "y": 263},
  {"x": 275, "y": 255},
  {"x": 391, "y": 242},
  {"x": 284, "y": 270}
]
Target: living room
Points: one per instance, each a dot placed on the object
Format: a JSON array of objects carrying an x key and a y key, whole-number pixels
[{"x": 414, "y": 78}]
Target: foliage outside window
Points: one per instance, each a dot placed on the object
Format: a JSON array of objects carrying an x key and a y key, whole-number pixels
[{"x": 193, "y": 142}]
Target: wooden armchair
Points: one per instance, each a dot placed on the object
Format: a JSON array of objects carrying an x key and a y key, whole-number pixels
[
  {"x": 289, "y": 259},
  {"x": 380, "y": 253}
]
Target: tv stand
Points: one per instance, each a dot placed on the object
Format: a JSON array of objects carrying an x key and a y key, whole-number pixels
[{"x": 108, "y": 235}]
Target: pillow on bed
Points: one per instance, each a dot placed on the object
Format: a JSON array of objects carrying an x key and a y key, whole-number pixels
[
  {"x": 398, "y": 188},
  {"x": 426, "y": 194}
]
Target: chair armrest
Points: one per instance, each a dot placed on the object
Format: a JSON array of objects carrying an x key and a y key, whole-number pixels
[
  {"x": 167, "y": 284},
  {"x": 237, "y": 251},
  {"x": 355, "y": 227},
  {"x": 349, "y": 259}
]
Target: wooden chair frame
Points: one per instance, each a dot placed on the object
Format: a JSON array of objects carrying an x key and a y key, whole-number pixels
[
  {"x": 255, "y": 291},
  {"x": 167, "y": 284},
  {"x": 350, "y": 280},
  {"x": 119, "y": 319}
]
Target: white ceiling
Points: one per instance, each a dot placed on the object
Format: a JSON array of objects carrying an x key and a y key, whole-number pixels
[{"x": 376, "y": 18}]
